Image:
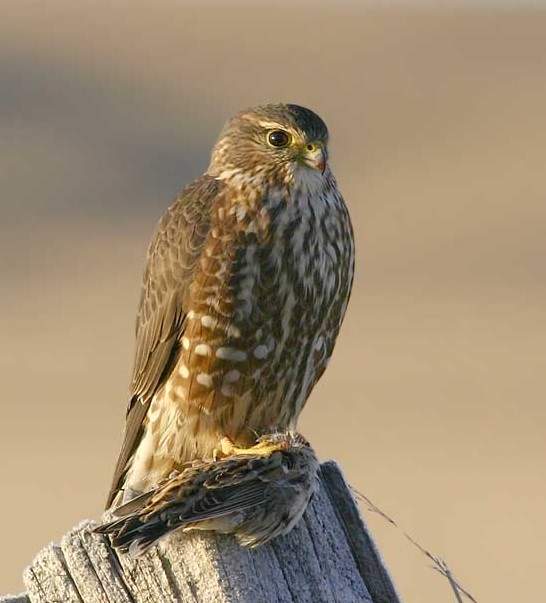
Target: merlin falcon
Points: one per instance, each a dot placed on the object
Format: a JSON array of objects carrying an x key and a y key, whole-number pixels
[{"x": 246, "y": 285}]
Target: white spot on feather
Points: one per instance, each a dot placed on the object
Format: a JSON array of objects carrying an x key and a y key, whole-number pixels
[
  {"x": 208, "y": 321},
  {"x": 181, "y": 391},
  {"x": 260, "y": 352},
  {"x": 231, "y": 376},
  {"x": 227, "y": 391},
  {"x": 231, "y": 354},
  {"x": 205, "y": 379},
  {"x": 240, "y": 212},
  {"x": 203, "y": 349}
]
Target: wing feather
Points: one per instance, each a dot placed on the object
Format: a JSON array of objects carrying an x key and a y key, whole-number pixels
[{"x": 172, "y": 258}]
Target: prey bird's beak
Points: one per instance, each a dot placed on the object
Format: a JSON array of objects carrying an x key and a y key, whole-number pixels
[{"x": 314, "y": 156}]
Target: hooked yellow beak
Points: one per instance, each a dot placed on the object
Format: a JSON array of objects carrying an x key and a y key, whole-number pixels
[{"x": 314, "y": 155}]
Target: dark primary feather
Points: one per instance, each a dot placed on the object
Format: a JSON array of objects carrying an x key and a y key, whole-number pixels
[{"x": 172, "y": 257}]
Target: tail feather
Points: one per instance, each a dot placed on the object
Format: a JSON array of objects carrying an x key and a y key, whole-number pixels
[{"x": 131, "y": 534}]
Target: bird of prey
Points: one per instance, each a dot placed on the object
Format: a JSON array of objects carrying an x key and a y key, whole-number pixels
[
  {"x": 246, "y": 286},
  {"x": 255, "y": 494}
]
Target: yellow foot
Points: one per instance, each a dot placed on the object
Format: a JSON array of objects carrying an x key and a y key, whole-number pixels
[{"x": 262, "y": 448}]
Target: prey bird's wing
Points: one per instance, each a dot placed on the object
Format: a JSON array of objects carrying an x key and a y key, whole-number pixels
[
  {"x": 228, "y": 485},
  {"x": 172, "y": 258},
  {"x": 201, "y": 493}
]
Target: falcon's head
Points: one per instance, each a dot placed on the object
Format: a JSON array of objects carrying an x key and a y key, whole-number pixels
[{"x": 271, "y": 145}]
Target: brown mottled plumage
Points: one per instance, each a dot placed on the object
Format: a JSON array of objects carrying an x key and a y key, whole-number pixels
[
  {"x": 248, "y": 279},
  {"x": 256, "y": 495}
]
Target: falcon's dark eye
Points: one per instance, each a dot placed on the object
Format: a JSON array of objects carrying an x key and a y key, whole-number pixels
[{"x": 278, "y": 138}]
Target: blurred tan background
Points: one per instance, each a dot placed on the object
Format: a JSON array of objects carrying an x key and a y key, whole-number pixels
[{"x": 434, "y": 401}]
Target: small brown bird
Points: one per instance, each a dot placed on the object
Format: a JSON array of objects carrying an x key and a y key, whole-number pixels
[
  {"x": 256, "y": 494},
  {"x": 247, "y": 282}
]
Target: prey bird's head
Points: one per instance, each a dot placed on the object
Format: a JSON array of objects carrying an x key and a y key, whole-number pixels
[{"x": 272, "y": 145}]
